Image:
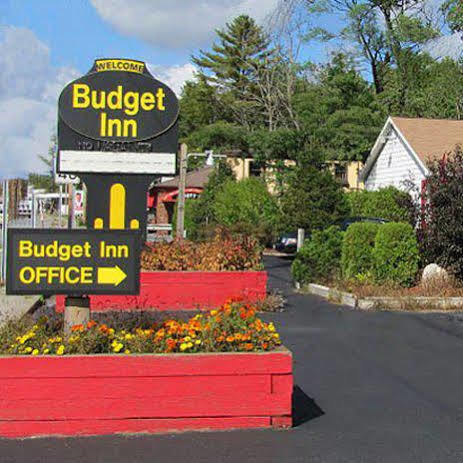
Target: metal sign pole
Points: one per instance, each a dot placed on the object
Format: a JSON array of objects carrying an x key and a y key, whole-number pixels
[
  {"x": 33, "y": 211},
  {"x": 60, "y": 205},
  {"x": 181, "y": 192},
  {"x": 6, "y": 201}
]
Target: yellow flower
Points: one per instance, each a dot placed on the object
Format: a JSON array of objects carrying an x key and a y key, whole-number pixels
[
  {"x": 46, "y": 351},
  {"x": 28, "y": 349},
  {"x": 214, "y": 312},
  {"x": 190, "y": 344},
  {"x": 118, "y": 347},
  {"x": 271, "y": 327},
  {"x": 111, "y": 331},
  {"x": 60, "y": 350},
  {"x": 127, "y": 351},
  {"x": 187, "y": 339},
  {"x": 198, "y": 342},
  {"x": 35, "y": 352},
  {"x": 183, "y": 346},
  {"x": 128, "y": 336}
]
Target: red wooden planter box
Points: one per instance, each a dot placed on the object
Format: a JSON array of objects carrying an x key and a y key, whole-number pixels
[
  {"x": 109, "y": 394},
  {"x": 183, "y": 291}
]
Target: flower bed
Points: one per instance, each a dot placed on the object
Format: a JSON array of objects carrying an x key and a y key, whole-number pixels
[
  {"x": 241, "y": 386},
  {"x": 183, "y": 291}
]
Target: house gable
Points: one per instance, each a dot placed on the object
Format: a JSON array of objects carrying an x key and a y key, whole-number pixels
[{"x": 393, "y": 163}]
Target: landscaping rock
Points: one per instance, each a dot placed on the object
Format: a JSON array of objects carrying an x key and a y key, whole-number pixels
[
  {"x": 433, "y": 274},
  {"x": 14, "y": 306}
]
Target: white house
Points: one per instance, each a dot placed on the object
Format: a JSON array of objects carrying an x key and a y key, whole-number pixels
[{"x": 404, "y": 150}]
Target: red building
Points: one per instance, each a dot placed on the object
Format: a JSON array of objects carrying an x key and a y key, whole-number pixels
[{"x": 163, "y": 196}]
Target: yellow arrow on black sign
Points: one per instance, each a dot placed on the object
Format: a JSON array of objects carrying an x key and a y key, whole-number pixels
[{"x": 111, "y": 275}]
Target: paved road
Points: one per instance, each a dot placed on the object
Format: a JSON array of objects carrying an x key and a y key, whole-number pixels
[{"x": 371, "y": 387}]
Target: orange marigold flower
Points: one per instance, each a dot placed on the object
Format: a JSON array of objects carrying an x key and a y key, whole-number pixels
[
  {"x": 91, "y": 324},
  {"x": 249, "y": 346},
  {"x": 230, "y": 338},
  {"x": 220, "y": 339},
  {"x": 77, "y": 328}
]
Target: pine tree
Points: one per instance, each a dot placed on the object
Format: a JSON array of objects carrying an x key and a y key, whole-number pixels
[{"x": 233, "y": 62}]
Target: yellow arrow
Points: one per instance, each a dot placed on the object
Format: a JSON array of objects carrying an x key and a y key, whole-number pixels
[{"x": 111, "y": 275}]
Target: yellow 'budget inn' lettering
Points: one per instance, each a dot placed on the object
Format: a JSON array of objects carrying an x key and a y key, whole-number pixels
[
  {"x": 62, "y": 252},
  {"x": 129, "y": 102}
]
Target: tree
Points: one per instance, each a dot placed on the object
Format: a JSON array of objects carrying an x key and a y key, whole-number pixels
[
  {"x": 46, "y": 181},
  {"x": 441, "y": 223},
  {"x": 200, "y": 212},
  {"x": 453, "y": 10},
  {"x": 233, "y": 64},
  {"x": 341, "y": 111},
  {"x": 386, "y": 33},
  {"x": 201, "y": 105},
  {"x": 313, "y": 199},
  {"x": 247, "y": 206}
]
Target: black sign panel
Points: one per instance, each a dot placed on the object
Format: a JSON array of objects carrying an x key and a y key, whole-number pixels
[
  {"x": 75, "y": 262},
  {"x": 118, "y": 106},
  {"x": 121, "y": 119}
]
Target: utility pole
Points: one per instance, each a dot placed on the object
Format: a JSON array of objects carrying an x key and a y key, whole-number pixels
[{"x": 180, "y": 231}]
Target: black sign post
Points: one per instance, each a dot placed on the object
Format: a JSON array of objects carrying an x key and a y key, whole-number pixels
[{"x": 77, "y": 262}]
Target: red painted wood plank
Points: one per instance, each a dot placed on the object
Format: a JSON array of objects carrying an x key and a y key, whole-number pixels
[
  {"x": 276, "y": 362},
  {"x": 282, "y": 384},
  {"x": 152, "y": 388},
  {"x": 184, "y": 291},
  {"x": 282, "y": 422},
  {"x": 16, "y": 429},
  {"x": 174, "y": 406}
]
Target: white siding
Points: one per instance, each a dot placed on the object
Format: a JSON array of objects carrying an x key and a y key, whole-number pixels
[{"x": 395, "y": 166}]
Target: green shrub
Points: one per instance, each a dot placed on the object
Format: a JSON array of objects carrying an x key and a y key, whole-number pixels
[
  {"x": 357, "y": 250},
  {"x": 395, "y": 254},
  {"x": 319, "y": 257},
  {"x": 249, "y": 206},
  {"x": 386, "y": 203}
]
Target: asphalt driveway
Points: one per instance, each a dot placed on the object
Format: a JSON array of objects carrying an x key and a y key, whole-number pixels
[{"x": 371, "y": 387}]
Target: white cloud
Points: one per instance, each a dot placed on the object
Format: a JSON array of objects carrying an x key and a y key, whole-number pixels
[
  {"x": 177, "y": 24},
  {"x": 173, "y": 76},
  {"x": 29, "y": 89},
  {"x": 447, "y": 46}
]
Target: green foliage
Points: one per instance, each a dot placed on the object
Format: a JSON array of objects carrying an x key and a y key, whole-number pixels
[
  {"x": 200, "y": 105},
  {"x": 319, "y": 257},
  {"x": 190, "y": 226},
  {"x": 386, "y": 203},
  {"x": 453, "y": 10},
  {"x": 441, "y": 221},
  {"x": 219, "y": 136},
  {"x": 232, "y": 62},
  {"x": 249, "y": 204},
  {"x": 357, "y": 250},
  {"x": 312, "y": 199},
  {"x": 340, "y": 111},
  {"x": 199, "y": 213},
  {"x": 395, "y": 254}
]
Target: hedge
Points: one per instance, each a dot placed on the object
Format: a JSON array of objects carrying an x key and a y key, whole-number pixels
[
  {"x": 357, "y": 250},
  {"x": 319, "y": 257},
  {"x": 386, "y": 203},
  {"x": 395, "y": 254}
]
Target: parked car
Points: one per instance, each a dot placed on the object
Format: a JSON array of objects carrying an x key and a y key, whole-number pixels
[
  {"x": 344, "y": 224},
  {"x": 287, "y": 243}
]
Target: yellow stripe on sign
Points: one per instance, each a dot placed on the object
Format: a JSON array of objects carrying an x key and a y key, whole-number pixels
[
  {"x": 134, "y": 224},
  {"x": 98, "y": 224},
  {"x": 117, "y": 207}
]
